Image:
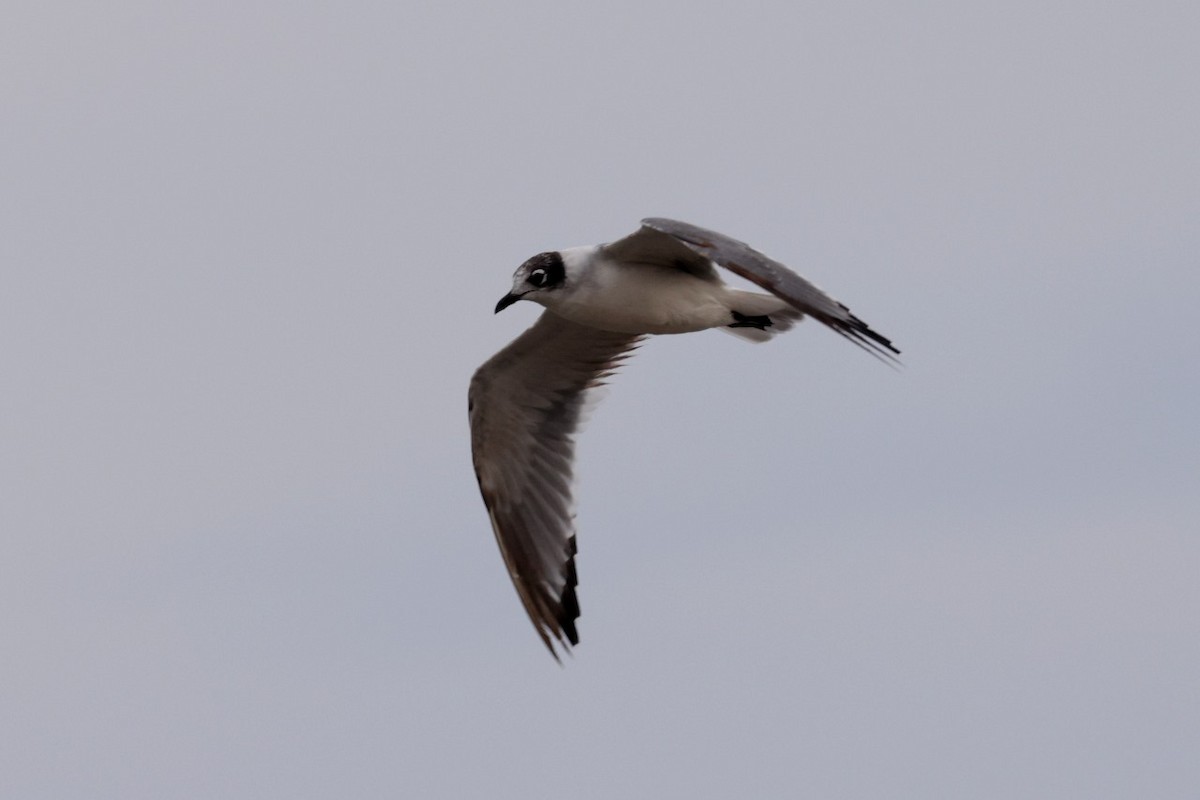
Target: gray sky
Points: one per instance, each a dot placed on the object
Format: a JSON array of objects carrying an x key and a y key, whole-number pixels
[{"x": 250, "y": 258}]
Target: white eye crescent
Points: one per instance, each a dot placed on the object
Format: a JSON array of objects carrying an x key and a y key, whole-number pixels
[{"x": 537, "y": 277}]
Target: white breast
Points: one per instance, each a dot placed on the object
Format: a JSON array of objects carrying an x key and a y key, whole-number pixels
[{"x": 636, "y": 298}]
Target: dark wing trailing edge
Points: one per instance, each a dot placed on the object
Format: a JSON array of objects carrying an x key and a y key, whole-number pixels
[
  {"x": 743, "y": 260},
  {"x": 525, "y": 406}
]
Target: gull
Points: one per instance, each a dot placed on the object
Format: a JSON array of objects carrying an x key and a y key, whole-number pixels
[{"x": 526, "y": 402}]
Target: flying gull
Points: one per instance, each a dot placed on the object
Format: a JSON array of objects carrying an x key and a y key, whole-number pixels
[{"x": 525, "y": 402}]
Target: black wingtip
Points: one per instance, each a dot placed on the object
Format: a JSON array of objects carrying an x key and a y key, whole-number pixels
[
  {"x": 865, "y": 330},
  {"x": 861, "y": 334},
  {"x": 563, "y": 632},
  {"x": 568, "y": 603}
]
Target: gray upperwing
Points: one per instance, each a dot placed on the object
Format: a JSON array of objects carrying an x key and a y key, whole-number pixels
[
  {"x": 649, "y": 246},
  {"x": 742, "y": 259},
  {"x": 525, "y": 405}
]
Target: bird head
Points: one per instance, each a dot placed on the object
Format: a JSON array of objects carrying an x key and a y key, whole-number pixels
[{"x": 543, "y": 273}]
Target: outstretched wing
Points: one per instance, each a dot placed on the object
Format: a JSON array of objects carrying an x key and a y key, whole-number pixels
[
  {"x": 525, "y": 405},
  {"x": 667, "y": 241}
]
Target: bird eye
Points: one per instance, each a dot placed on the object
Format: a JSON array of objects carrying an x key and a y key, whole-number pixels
[{"x": 537, "y": 277}]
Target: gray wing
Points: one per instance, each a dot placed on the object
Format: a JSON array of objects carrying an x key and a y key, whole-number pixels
[
  {"x": 653, "y": 247},
  {"x": 659, "y": 240},
  {"x": 525, "y": 405}
]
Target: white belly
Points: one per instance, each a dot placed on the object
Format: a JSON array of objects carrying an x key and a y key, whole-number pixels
[{"x": 646, "y": 299}]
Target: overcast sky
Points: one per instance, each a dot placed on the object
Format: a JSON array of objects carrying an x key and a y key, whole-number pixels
[{"x": 250, "y": 255}]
